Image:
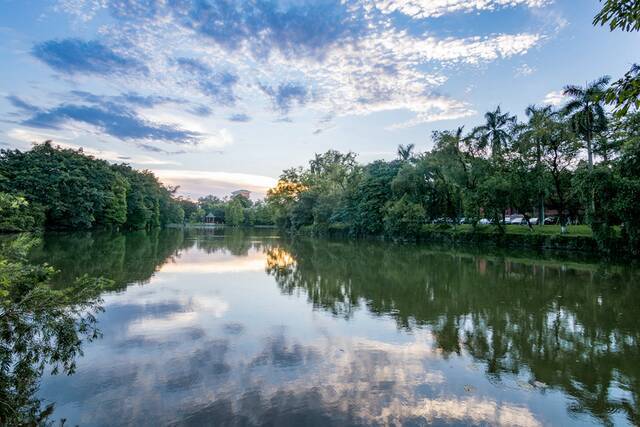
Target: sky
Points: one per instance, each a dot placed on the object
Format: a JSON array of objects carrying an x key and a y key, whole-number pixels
[{"x": 218, "y": 95}]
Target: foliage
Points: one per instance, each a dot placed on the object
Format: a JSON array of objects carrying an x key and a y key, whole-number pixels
[
  {"x": 495, "y": 134},
  {"x": 41, "y": 327},
  {"x": 17, "y": 214},
  {"x": 619, "y": 14},
  {"x": 534, "y": 168},
  {"x": 586, "y": 111},
  {"x": 404, "y": 218},
  {"x": 624, "y": 94},
  {"x": 233, "y": 213},
  {"x": 76, "y": 191}
]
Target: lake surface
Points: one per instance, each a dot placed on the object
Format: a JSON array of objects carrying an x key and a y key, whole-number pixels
[{"x": 219, "y": 327}]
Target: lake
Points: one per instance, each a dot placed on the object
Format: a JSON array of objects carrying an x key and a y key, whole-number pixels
[{"x": 233, "y": 327}]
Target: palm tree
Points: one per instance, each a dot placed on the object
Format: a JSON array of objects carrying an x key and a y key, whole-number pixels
[
  {"x": 496, "y": 132},
  {"x": 586, "y": 111},
  {"x": 405, "y": 152},
  {"x": 536, "y": 136},
  {"x": 587, "y": 116}
]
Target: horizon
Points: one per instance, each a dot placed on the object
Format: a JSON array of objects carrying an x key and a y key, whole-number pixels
[{"x": 190, "y": 92}]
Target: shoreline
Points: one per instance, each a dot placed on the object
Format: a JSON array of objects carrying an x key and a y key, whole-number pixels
[{"x": 491, "y": 238}]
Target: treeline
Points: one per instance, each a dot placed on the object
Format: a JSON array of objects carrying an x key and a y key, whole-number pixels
[
  {"x": 232, "y": 211},
  {"x": 66, "y": 189},
  {"x": 579, "y": 161}
]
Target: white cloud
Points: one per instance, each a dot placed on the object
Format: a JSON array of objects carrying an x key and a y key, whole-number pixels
[
  {"x": 554, "y": 98},
  {"x": 524, "y": 70},
  {"x": 382, "y": 69},
  {"x": 32, "y": 136},
  {"x": 419, "y": 9},
  {"x": 386, "y": 72},
  {"x": 438, "y": 109}
]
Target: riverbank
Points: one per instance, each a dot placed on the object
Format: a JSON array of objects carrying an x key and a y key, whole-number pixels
[{"x": 579, "y": 238}]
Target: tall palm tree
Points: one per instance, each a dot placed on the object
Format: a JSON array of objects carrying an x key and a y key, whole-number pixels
[
  {"x": 496, "y": 132},
  {"x": 586, "y": 112},
  {"x": 405, "y": 152},
  {"x": 536, "y": 136},
  {"x": 587, "y": 116}
]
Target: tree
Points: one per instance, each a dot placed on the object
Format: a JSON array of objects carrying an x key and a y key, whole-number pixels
[
  {"x": 284, "y": 195},
  {"x": 531, "y": 145},
  {"x": 233, "y": 213},
  {"x": 587, "y": 116},
  {"x": 619, "y": 14},
  {"x": 586, "y": 112},
  {"x": 405, "y": 152},
  {"x": 17, "y": 214},
  {"x": 559, "y": 157},
  {"x": 77, "y": 191},
  {"x": 624, "y": 94},
  {"x": 403, "y": 218},
  {"x": 496, "y": 132},
  {"x": 462, "y": 163},
  {"x": 367, "y": 196},
  {"x": 115, "y": 209},
  {"x": 524, "y": 186}
]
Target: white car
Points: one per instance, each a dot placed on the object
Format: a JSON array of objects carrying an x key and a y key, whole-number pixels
[
  {"x": 515, "y": 219},
  {"x": 484, "y": 221},
  {"x": 533, "y": 221}
]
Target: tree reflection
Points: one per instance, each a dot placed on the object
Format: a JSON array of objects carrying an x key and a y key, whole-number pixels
[
  {"x": 124, "y": 258},
  {"x": 50, "y": 299},
  {"x": 567, "y": 326},
  {"x": 39, "y": 327},
  {"x": 50, "y": 294}
]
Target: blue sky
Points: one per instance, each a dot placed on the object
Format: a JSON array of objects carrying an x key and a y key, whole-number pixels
[{"x": 214, "y": 95}]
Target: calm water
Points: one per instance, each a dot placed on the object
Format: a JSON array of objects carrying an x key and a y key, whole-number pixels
[{"x": 249, "y": 328}]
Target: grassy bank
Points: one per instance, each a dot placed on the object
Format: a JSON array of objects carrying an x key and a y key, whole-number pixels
[
  {"x": 545, "y": 230},
  {"x": 578, "y": 238}
]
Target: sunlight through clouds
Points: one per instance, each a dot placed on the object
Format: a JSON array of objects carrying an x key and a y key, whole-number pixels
[{"x": 200, "y": 183}]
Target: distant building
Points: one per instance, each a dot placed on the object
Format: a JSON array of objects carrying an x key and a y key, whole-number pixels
[
  {"x": 244, "y": 193},
  {"x": 210, "y": 218}
]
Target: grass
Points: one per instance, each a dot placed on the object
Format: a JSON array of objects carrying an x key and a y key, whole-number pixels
[{"x": 547, "y": 230}]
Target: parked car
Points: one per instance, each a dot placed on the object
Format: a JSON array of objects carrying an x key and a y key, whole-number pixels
[
  {"x": 484, "y": 221},
  {"x": 551, "y": 220},
  {"x": 515, "y": 220},
  {"x": 533, "y": 221}
]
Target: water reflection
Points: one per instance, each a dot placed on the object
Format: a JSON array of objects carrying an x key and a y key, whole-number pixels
[
  {"x": 397, "y": 334},
  {"x": 571, "y": 329}
]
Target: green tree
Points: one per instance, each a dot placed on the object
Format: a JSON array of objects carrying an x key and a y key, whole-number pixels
[
  {"x": 115, "y": 209},
  {"x": 559, "y": 158},
  {"x": 531, "y": 145},
  {"x": 624, "y": 94},
  {"x": 405, "y": 152},
  {"x": 234, "y": 215},
  {"x": 496, "y": 132},
  {"x": 586, "y": 112},
  {"x": 366, "y": 200},
  {"x": 587, "y": 116},
  {"x": 404, "y": 218},
  {"x": 77, "y": 191},
  {"x": 17, "y": 214}
]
